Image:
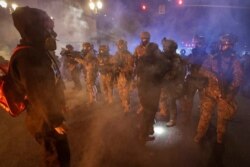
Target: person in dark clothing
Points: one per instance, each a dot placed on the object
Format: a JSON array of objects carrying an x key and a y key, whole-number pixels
[
  {"x": 36, "y": 78},
  {"x": 150, "y": 70}
]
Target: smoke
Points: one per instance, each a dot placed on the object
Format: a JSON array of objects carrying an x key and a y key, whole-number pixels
[
  {"x": 125, "y": 19},
  {"x": 181, "y": 23},
  {"x": 8, "y": 34},
  {"x": 72, "y": 24}
]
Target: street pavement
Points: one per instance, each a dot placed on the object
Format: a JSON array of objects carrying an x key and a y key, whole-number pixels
[{"x": 103, "y": 136}]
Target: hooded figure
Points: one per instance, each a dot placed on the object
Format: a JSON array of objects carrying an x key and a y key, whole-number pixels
[
  {"x": 34, "y": 74},
  {"x": 35, "y": 27}
]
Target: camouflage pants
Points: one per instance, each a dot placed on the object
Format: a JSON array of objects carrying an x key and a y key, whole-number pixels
[
  {"x": 208, "y": 105},
  {"x": 123, "y": 86},
  {"x": 107, "y": 87},
  {"x": 169, "y": 95},
  {"x": 91, "y": 87}
]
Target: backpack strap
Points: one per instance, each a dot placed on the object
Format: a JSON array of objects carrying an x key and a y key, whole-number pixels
[{"x": 18, "y": 48}]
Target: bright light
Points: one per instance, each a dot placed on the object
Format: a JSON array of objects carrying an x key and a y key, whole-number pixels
[
  {"x": 91, "y": 5},
  {"x": 3, "y": 4},
  {"x": 99, "y": 4},
  {"x": 14, "y": 6},
  {"x": 180, "y": 2},
  {"x": 144, "y": 7},
  {"x": 159, "y": 130}
]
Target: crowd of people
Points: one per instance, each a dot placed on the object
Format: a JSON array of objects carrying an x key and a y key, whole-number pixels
[{"x": 161, "y": 78}]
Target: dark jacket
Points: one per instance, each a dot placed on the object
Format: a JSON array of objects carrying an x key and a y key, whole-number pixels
[{"x": 34, "y": 74}]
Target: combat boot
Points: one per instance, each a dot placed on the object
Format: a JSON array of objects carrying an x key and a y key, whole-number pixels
[{"x": 171, "y": 123}]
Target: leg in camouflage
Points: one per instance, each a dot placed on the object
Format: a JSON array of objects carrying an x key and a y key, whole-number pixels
[
  {"x": 107, "y": 88},
  {"x": 207, "y": 106},
  {"x": 171, "y": 104},
  {"x": 123, "y": 89},
  {"x": 163, "y": 102},
  {"x": 91, "y": 90},
  {"x": 221, "y": 121}
]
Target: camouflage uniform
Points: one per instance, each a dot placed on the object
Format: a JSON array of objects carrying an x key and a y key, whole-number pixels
[
  {"x": 105, "y": 66},
  {"x": 123, "y": 62},
  {"x": 72, "y": 65},
  {"x": 173, "y": 83},
  {"x": 90, "y": 63},
  {"x": 194, "y": 81},
  {"x": 224, "y": 74},
  {"x": 150, "y": 69}
]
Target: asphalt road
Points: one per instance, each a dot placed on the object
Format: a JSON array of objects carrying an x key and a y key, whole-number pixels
[{"x": 102, "y": 136}]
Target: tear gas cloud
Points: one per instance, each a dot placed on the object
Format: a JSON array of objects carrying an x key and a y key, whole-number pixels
[
  {"x": 124, "y": 19},
  {"x": 74, "y": 27},
  {"x": 181, "y": 23}
]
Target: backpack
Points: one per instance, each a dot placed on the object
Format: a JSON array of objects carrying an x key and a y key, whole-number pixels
[{"x": 11, "y": 105}]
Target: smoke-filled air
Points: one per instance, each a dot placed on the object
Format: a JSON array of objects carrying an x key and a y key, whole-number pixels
[{"x": 129, "y": 83}]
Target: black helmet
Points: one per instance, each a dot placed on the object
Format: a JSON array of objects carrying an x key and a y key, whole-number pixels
[
  {"x": 169, "y": 45},
  {"x": 227, "y": 42},
  {"x": 69, "y": 47}
]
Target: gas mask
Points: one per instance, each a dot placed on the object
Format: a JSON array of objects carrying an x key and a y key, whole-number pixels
[
  {"x": 50, "y": 36},
  {"x": 144, "y": 41},
  {"x": 103, "y": 50},
  {"x": 86, "y": 47},
  {"x": 169, "y": 46},
  {"x": 122, "y": 45}
]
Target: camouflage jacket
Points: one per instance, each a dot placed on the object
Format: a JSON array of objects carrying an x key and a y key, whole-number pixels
[
  {"x": 123, "y": 62},
  {"x": 224, "y": 73},
  {"x": 177, "y": 71},
  {"x": 105, "y": 64}
]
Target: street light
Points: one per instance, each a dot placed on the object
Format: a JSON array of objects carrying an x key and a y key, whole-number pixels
[
  {"x": 95, "y": 5},
  {"x": 14, "y": 6},
  {"x": 180, "y": 2},
  {"x": 11, "y": 7},
  {"x": 3, "y": 4}
]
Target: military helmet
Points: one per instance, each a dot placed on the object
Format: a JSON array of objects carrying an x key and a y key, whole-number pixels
[
  {"x": 103, "y": 49},
  {"x": 227, "y": 39},
  {"x": 144, "y": 35},
  {"x": 169, "y": 44},
  {"x": 86, "y": 46},
  {"x": 227, "y": 42},
  {"x": 69, "y": 47},
  {"x": 121, "y": 44}
]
